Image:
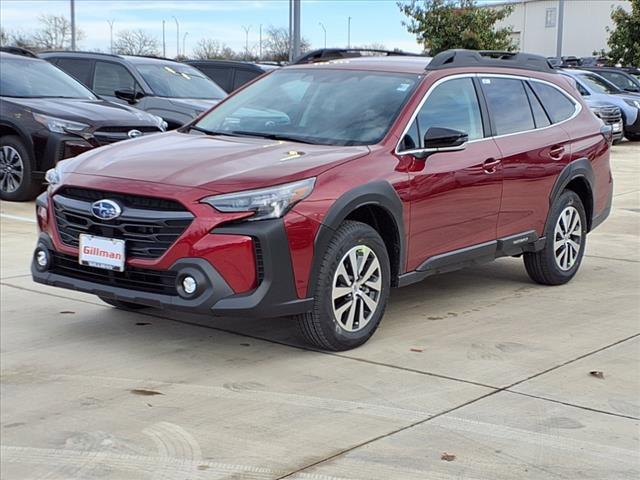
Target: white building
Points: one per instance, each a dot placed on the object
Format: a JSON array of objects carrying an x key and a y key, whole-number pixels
[{"x": 535, "y": 25}]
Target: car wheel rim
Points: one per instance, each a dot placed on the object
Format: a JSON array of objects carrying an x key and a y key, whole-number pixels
[
  {"x": 567, "y": 238},
  {"x": 11, "y": 169},
  {"x": 357, "y": 286}
]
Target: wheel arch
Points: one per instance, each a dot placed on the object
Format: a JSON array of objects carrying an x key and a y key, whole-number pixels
[
  {"x": 578, "y": 177},
  {"x": 376, "y": 204}
]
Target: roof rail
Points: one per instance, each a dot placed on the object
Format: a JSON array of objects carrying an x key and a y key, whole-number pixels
[
  {"x": 23, "y": 52},
  {"x": 490, "y": 58},
  {"x": 328, "y": 54}
]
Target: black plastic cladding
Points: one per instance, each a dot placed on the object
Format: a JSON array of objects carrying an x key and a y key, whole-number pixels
[{"x": 489, "y": 58}]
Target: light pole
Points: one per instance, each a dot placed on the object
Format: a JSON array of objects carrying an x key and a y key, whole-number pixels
[
  {"x": 73, "y": 25},
  {"x": 177, "y": 37},
  {"x": 349, "y": 32},
  {"x": 184, "y": 41},
  {"x": 325, "y": 33},
  {"x": 246, "y": 41},
  {"x": 164, "y": 42},
  {"x": 111, "y": 22}
]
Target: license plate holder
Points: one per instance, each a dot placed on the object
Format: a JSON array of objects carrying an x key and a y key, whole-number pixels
[{"x": 101, "y": 252}]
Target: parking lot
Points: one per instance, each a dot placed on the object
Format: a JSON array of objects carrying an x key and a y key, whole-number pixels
[{"x": 478, "y": 374}]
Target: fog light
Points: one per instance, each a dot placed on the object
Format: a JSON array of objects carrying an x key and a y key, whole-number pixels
[
  {"x": 42, "y": 259},
  {"x": 189, "y": 285}
]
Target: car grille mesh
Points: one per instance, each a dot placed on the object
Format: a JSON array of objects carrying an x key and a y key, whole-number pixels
[
  {"x": 148, "y": 225},
  {"x": 144, "y": 280}
]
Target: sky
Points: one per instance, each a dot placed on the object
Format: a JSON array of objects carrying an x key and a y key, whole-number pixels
[{"x": 378, "y": 21}]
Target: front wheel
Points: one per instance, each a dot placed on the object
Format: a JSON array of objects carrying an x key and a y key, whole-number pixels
[
  {"x": 566, "y": 238},
  {"x": 352, "y": 290}
]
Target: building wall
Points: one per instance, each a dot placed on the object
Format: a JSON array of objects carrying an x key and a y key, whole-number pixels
[{"x": 535, "y": 25}]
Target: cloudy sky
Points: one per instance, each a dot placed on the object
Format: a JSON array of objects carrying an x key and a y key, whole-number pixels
[{"x": 372, "y": 20}]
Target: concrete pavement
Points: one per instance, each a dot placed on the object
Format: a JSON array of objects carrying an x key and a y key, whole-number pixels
[{"x": 478, "y": 374}]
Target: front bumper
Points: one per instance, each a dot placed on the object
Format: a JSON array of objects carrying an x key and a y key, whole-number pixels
[{"x": 274, "y": 296}]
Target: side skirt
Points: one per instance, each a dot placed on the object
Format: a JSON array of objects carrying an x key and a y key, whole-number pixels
[{"x": 475, "y": 255}]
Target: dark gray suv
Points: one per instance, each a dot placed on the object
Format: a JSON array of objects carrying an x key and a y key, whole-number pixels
[{"x": 172, "y": 90}]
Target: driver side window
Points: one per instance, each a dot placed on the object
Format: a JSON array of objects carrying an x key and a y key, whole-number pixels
[{"x": 452, "y": 104}]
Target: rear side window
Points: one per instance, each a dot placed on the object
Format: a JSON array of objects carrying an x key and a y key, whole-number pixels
[
  {"x": 539, "y": 115},
  {"x": 452, "y": 104},
  {"x": 508, "y": 105},
  {"x": 556, "y": 103},
  {"x": 110, "y": 77},
  {"x": 80, "y": 69}
]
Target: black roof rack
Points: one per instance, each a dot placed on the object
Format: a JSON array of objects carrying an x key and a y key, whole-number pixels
[
  {"x": 328, "y": 54},
  {"x": 23, "y": 52},
  {"x": 489, "y": 58}
]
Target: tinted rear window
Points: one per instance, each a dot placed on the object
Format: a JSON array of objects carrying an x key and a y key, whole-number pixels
[
  {"x": 508, "y": 105},
  {"x": 556, "y": 103}
]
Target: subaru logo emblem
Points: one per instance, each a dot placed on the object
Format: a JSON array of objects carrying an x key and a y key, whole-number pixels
[
  {"x": 106, "y": 209},
  {"x": 134, "y": 133}
]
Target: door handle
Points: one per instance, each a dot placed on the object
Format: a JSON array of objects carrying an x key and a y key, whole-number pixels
[
  {"x": 556, "y": 152},
  {"x": 490, "y": 164}
]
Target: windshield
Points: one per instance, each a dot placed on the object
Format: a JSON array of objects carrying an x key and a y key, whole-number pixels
[
  {"x": 179, "y": 81},
  {"x": 38, "y": 79},
  {"x": 598, "y": 84},
  {"x": 330, "y": 107}
]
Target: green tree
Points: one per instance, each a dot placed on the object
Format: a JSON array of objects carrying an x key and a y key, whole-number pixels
[
  {"x": 443, "y": 24},
  {"x": 624, "y": 37}
]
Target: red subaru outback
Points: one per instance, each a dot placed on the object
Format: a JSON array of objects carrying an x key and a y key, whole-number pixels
[{"x": 316, "y": 189}]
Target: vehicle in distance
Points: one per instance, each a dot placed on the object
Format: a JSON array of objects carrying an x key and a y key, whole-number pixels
[
  {"x": 316, "y": 189},
  {"x": 172, "y": 90},
  {"x": 231, "y": 74},
  {"x": 46, "y": 116},
  {"x": 598, "y": 89}
]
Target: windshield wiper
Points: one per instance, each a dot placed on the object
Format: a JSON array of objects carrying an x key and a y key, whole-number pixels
[{"x": 273, "y": 136}]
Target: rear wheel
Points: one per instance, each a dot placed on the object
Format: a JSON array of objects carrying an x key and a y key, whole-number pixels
[
  {"x": 16, "y": 179},
  {"x": 566, "y": 237},
  {"x": 122, "y": 305},
  {"x": 351, "y": 290}
]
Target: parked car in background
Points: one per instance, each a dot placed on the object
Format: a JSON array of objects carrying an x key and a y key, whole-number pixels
[
  {"x": 317, "y": 188},
  {"x": 598, "y": 89},
  {"x": 172, "y": 90},
  {"x": 230, "y": 74},
  {"x": 47, "y": 116},
  {"x": 621, "y": 79}
]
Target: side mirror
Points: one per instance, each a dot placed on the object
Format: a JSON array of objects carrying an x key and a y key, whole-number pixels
[
  {"x": 444, "y": 139},
  {"x": 129, "y": 95}
]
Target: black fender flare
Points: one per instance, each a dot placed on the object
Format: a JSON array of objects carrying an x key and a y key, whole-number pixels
[
  {"x": 379, "y": 194},
  {"x": 580, "y": 168}
]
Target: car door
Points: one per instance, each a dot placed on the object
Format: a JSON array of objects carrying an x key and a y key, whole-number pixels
[
  {"x": 533, "y": 149},
  {"x": 455, "y": 195},
  {"x": 109, "y": 77}
]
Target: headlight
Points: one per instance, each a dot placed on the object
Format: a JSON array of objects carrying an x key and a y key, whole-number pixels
[
  {"x": 54, "y": 175},
  {"x": 633, "y": 103},
  {"x": 59, "y": 125},
  {"x": 272, "y": 202}
]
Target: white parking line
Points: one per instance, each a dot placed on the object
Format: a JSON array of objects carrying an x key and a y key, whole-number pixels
[{"x": 17, "y": 217}]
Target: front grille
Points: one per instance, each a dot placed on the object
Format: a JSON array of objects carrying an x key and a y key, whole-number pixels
[
  {"x": 140, "y": 279},
  {"x": 107, "y": 135},
  {"x": 148, "y": 225}
]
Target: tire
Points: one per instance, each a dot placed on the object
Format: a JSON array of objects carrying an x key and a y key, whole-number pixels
[
  {"x": 559, "y": 260},
  {"x": 122, "y": 305},
  {"x": 342, "y": 323},
  {"x": 16, "y": 167}
]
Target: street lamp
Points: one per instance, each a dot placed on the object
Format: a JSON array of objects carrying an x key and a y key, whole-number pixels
[
  {"x": 325, "y": 33},
  {"x": 177, "y": 37}
]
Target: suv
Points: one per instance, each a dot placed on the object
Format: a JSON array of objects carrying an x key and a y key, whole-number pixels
[
  {"x": 231, "y": 74},
  {"x": 598, "y": 89},
  {"x": 172, "y": 90},
  {"x": 316, "y": 189},
  {"x": 45, "y": 116}
]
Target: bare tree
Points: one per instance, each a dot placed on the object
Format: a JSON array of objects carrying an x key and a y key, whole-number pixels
[
  {"x": 277, "y": 44},
  {"x": 54, "y": 33},
  {"x": 136, "y": 42},
  {"x": 208, "y": 49}
]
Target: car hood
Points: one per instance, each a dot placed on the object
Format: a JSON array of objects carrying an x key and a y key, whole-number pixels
[
  {"x": 219, "y": 164},
  {"x": 94, "y": 112},
  {"x": 197, "y": 104}
]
